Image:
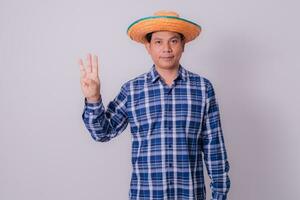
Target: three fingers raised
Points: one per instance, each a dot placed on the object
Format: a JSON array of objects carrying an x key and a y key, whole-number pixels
[{"x": 91, "y": 65}]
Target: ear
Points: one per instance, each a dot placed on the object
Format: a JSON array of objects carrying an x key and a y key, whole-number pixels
[
  {"x": 183, "y": 47},
  {"x": 147, "y": 46}
]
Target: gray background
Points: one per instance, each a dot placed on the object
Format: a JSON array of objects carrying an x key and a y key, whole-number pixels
[{"x": 247, "y": 49}]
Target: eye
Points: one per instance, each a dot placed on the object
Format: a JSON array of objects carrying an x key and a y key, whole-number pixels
[
  {"x": 157, "y": 42},
  {"x": 174, "y": 41}
]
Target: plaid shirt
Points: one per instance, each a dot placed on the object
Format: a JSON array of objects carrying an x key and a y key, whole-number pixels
[{"x": 173, "y": 128}]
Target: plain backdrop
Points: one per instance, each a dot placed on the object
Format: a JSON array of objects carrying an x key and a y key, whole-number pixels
[{"x": 249, "y": 50}]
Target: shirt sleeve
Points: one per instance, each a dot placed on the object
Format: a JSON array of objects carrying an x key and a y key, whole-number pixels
[
  {"x": 214, "y": 151},
  {"x": 105, "y": 124}
]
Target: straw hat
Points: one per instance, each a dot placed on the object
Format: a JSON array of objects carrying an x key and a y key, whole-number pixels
[{"x": 163, "y": 21}]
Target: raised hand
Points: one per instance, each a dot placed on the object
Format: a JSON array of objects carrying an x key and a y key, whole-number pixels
[{"x": 89, "y": 78}]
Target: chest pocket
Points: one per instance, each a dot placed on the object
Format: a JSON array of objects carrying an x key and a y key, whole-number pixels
[
  {"x": 145, "y": 114},
  {"x": 186, "y": 109},
  {"x": 196, "y": 110}
]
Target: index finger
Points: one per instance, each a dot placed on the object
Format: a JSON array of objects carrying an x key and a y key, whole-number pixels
[{"x": 82, "y": 69}]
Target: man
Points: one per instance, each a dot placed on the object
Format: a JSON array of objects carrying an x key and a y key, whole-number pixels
[{"x": 173, "y": 115}]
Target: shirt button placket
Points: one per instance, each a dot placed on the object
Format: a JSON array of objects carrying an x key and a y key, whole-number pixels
[
  {"x": 167, "y": 116},
  {"x": 169, "y": 163}
]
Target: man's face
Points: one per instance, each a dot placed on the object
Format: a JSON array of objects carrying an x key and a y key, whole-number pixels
[{"x": 165, "y": 49}]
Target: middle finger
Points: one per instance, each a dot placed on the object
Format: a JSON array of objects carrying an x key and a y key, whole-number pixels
[{"x": 89, "y": 63}]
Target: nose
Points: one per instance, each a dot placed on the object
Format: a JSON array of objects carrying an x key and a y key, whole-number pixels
[{"x": 167, "y": 47}]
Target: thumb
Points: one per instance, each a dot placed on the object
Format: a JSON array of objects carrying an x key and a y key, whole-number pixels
[
  {"x": 90, "y": 81},
  {"x": 85, "y": 81}
]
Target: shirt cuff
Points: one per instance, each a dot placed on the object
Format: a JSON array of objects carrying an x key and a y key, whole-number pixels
[
  {"x": 218, "y": 196},
  {"x": 96, "y": 104},
  {"x": 93, "y": 108}
]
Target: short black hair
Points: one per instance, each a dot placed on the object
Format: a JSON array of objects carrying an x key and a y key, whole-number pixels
[{"x": 149, "y": 36}]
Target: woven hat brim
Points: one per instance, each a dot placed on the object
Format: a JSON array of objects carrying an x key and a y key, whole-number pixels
[{"x": 140, "y": 28}]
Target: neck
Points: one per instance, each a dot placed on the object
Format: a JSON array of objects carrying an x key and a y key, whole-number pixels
[{"x": 168, "y": 75}]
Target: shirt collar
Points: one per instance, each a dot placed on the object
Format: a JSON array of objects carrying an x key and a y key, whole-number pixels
[{"x": 153, "y": 75}]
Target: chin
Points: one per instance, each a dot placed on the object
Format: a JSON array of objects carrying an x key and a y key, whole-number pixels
[{"x": 167, "y": 65}]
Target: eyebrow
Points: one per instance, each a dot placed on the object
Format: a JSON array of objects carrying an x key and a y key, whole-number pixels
[{"x": 158, "y": 38}]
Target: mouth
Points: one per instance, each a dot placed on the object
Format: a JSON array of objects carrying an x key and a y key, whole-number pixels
[{"x": 167, "y": 57}]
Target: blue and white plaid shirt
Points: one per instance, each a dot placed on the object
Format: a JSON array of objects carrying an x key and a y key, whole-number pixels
[{"x": 173, "y": 128}]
